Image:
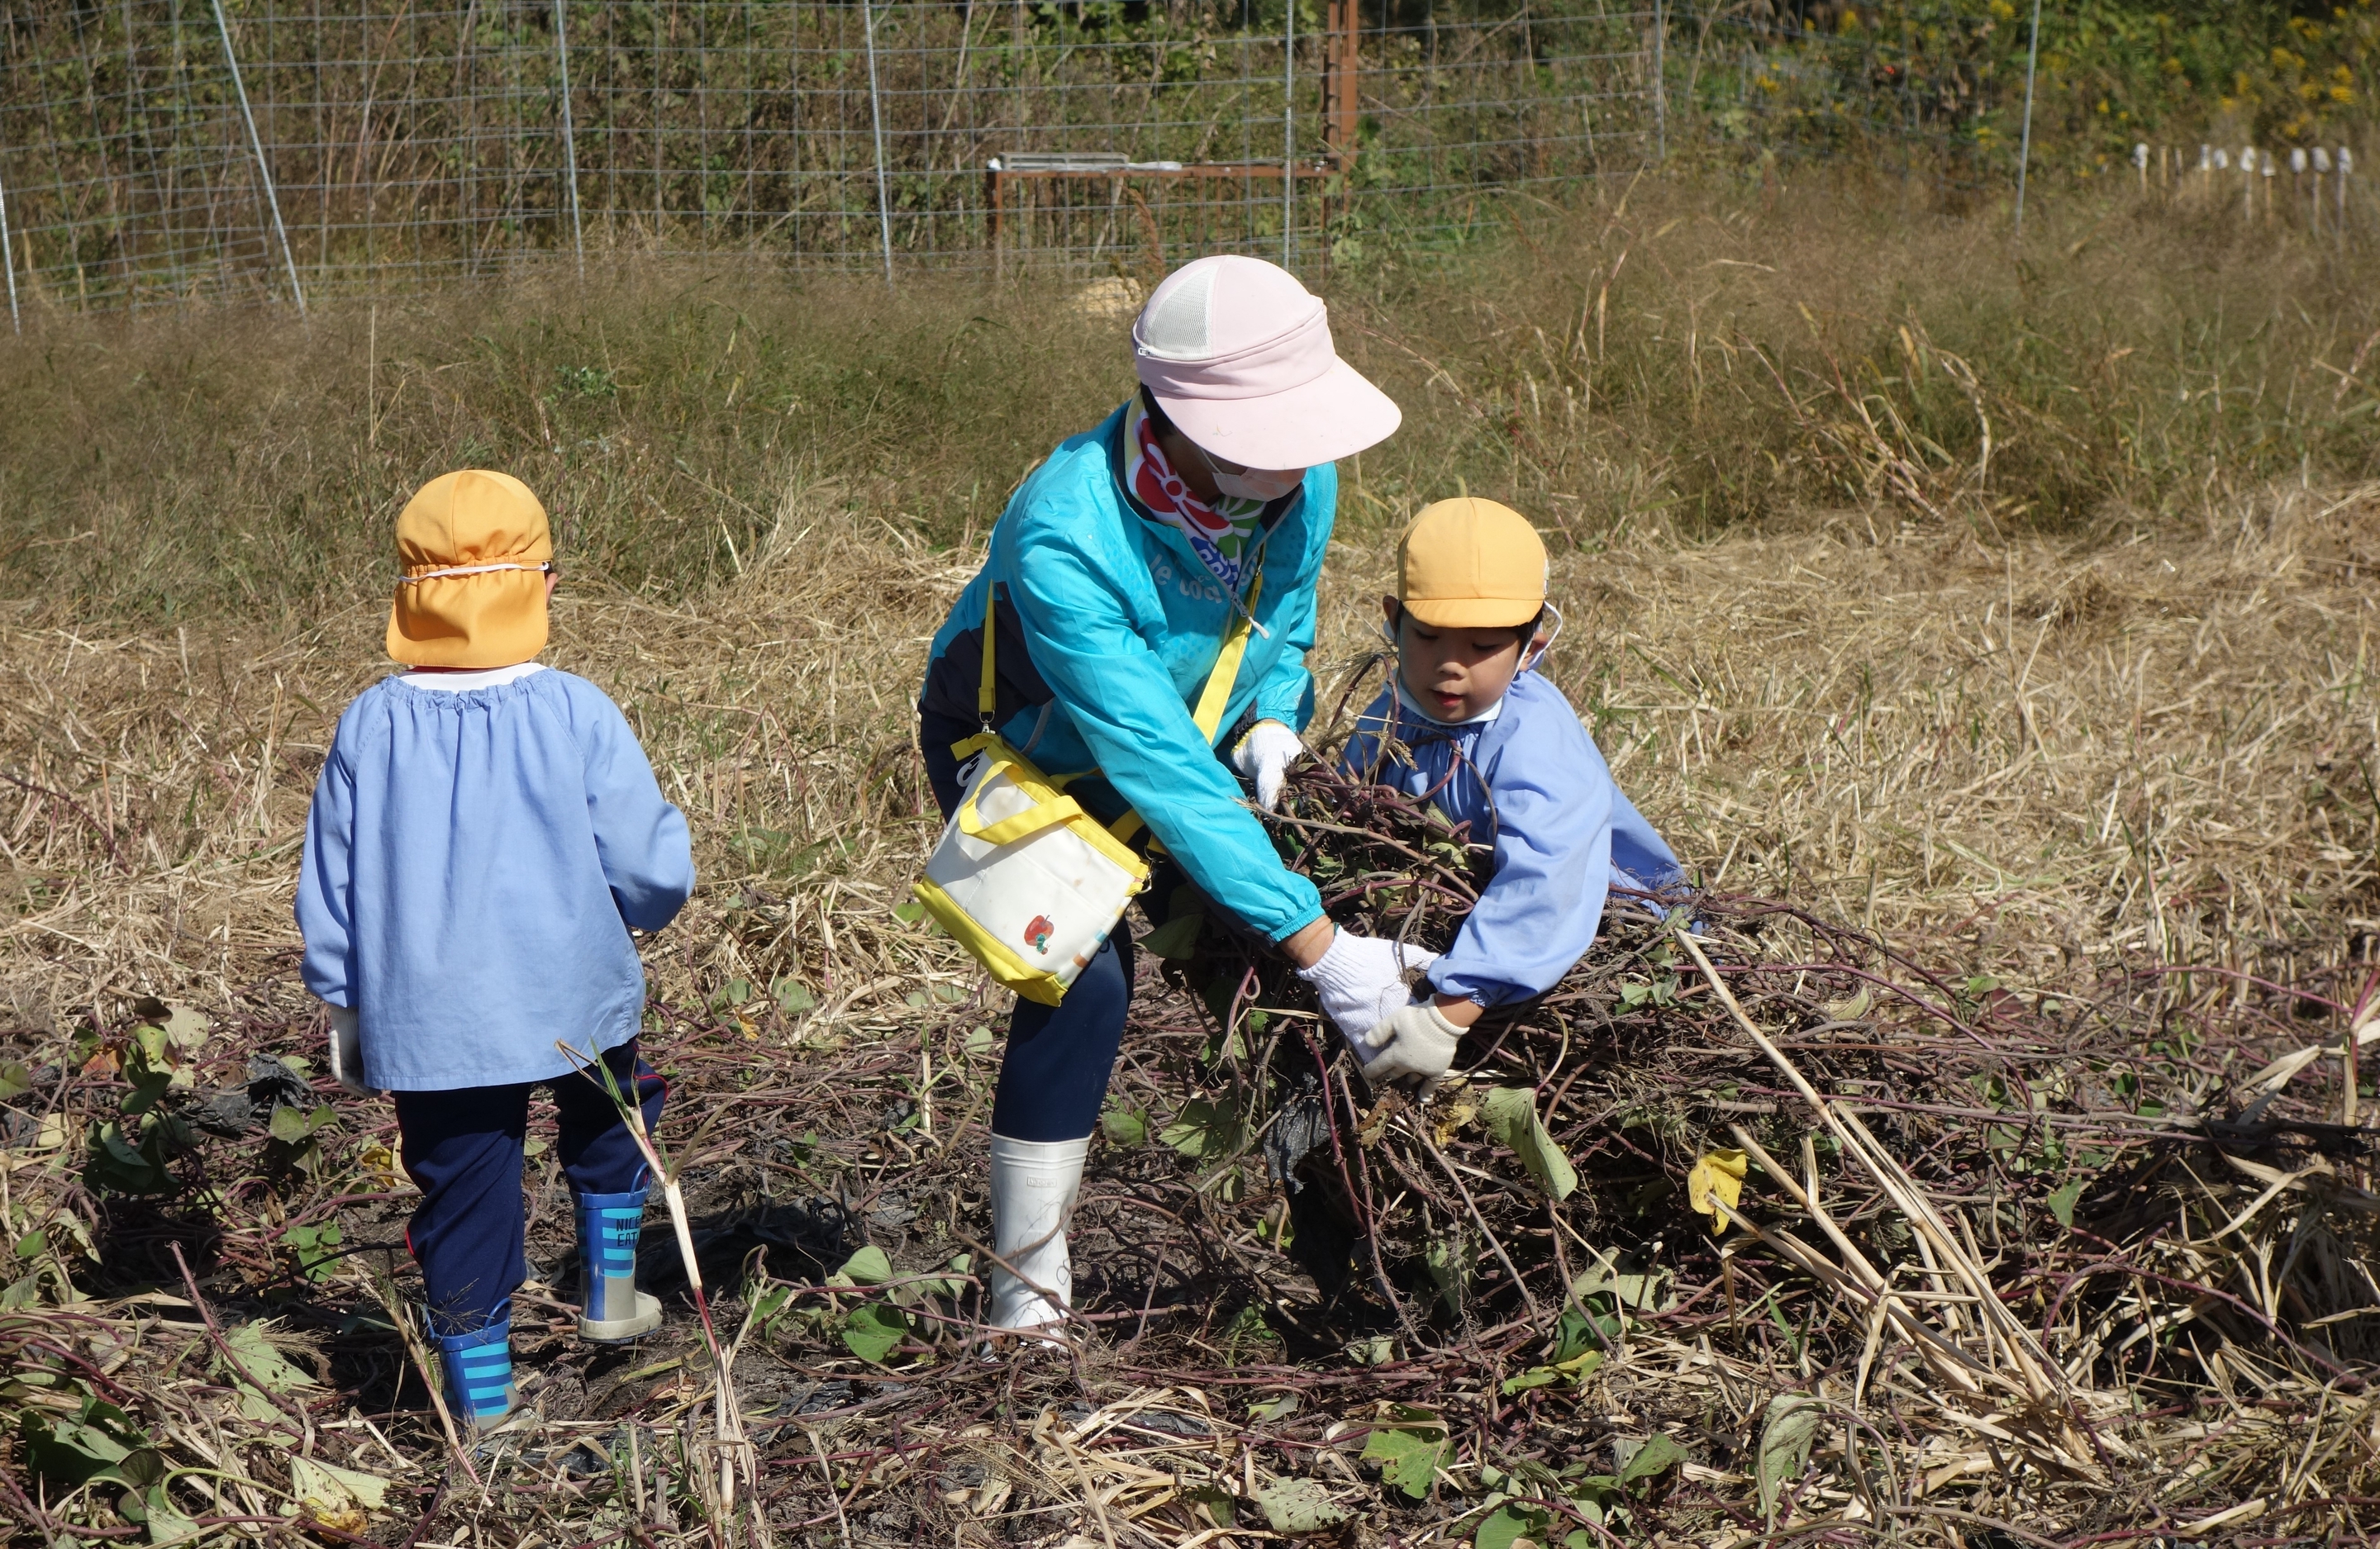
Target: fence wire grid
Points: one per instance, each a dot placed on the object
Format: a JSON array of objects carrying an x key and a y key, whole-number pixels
[{"x": 153, "y": 150}]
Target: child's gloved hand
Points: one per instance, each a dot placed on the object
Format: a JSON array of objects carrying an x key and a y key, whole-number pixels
[
  {"x": 348, "y": 1050},
  {"x": 1416, "y": 1043},
  {"x": 1265, "y": 755},
  {"x": 1361, "y": 979}
]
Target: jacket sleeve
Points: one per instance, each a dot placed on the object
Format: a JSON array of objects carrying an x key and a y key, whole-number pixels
[
  {"x": 1135, "y": 724},
  {"x": 1554, "y": 801},
  {"x": 1287, "y": 693},
  {"x": 325, "y": 882},
  {"x": 647, "y": 854}
]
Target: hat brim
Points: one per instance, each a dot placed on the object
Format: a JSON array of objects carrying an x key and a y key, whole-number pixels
[
  {"x": 1336, "y": 415},
  {"x": 1474, "y": 612}
]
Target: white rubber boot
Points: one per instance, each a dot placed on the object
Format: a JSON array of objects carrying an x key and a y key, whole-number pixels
[{"x": 1033, "y": 1185}]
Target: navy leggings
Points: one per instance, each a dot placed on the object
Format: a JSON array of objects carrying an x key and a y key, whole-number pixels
[
  {"x": 1059, "y": 1057},
  {"x": 463, "y": 1150}
]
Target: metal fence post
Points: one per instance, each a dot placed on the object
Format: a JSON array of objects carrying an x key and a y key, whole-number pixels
[
  {"x": 1288, "y": 133},
  {"x": 1660, "y": 81},
  {"x": 255, "y": 143},
  {"x": 8, "y": 259},
  {"x": 2024, "y": 143},
  {"x": 876, "y": 122},
  {"x": 569, "y": 138}
]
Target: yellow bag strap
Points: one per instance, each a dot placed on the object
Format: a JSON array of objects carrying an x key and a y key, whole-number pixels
[
  {"x": 985, "y": 698},
  {"x": 1217, "y": 694}
]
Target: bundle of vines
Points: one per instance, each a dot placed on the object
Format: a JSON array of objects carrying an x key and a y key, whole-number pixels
[{"x": 1757, "y": 1229}]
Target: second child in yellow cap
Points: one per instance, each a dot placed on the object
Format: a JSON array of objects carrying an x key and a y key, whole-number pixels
[{"x": 1468, "y": 722}]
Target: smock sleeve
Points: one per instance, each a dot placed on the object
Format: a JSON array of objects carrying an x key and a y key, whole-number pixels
[
  {"x": 646, "y": 852},
  {"x": 1554, "y": 802},
  {"x": 325, "y": 882},
  {"x": 1133, "y": 721}
]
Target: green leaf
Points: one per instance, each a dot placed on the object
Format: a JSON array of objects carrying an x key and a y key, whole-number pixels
[
  {"x": 1407, "y": 1460},
  {"x": 1510, "y": 1115},
  {"x": 330, "y": 1487},
  {"x": 1205, "y": 1129},
  {"x": 793, "y": 997},
  {"x": 33, "y": 1245},
  {"x": 872, "y": 1331},
  {"x": 261, "y": 1361},
  {"x": 1222, "y": 1508},
  {"x": 1449, "y": 1261},
  {"x": 909, "y": 914},
  {"x": 184, "y": 1027},
  {"x": 1125, "y": 1127},
  {"x": 1176, "y": 941},
  {"x": 2062, "y": 1202},
  {"x": 1656, "y": 1457},
  {"x": 288, "y": 1126},
  {"x": 1787, "y": 1432},
  {"x": 1512, "y": 1519},
  {"x": 1281, "y": 1407},
  {"x": 14, "y": 1079},
  {"x": 868, "y": 1267},
  {"x": 1298, "y": 1505}
]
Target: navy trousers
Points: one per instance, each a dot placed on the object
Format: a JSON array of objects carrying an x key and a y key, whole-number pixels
[
  {"x": 463, "y": 1150},
  {"x": 1059, "y": 1057}
]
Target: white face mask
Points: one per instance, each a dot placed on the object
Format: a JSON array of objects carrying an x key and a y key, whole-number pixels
[{"x": 1256, "y": 484}]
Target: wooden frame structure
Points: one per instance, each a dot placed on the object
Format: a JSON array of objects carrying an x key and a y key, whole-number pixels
[{"x": 1342, "y": 128}]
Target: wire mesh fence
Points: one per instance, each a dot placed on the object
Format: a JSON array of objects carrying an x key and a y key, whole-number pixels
[{"x": 152, "y": 151}]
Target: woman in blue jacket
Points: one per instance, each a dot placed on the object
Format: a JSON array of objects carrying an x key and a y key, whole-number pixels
[{"x": 1115, "y": 572}]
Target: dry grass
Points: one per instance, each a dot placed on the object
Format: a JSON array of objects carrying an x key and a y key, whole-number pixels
[{"x": 2017, "y": 747}]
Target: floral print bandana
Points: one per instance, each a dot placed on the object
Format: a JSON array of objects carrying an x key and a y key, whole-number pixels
[{"x": 1219, "y": 533}]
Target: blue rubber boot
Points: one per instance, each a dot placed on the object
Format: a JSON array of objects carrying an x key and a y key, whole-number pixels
[
  {"x": 479, "y": 1375},
  {"x": 612, "y": 1310}
]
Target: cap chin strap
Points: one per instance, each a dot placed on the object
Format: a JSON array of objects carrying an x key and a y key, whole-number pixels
[
  {"x": 1532, "y": 658},
  {"x": 469, "y": 570}
]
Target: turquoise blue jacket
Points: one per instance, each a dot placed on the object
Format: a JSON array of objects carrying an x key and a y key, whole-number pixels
[{"x": 1107, "y": 626}]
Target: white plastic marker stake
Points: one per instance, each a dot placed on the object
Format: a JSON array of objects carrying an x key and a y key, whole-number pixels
[
  {"x": 2321, "y": 170},
  {"x": 2140, "y": 165},
  {"x": 2248, "y": 183},
  {"x": 2346, "y": 165},
  {"x": 2265, "y": 164}
]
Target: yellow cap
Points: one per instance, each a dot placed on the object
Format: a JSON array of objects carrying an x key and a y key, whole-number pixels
[
  {"x": 1470, "y": 564},
  {"x": 490, "y": 526}
]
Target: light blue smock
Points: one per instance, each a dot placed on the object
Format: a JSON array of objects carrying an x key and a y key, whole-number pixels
[
  {"x": 474, "y": 860},
  {"x": 1538, "y": 791},
  {"x": 1123, "y": 623}
]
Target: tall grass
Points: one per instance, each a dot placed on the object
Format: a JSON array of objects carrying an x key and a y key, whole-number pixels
[{"x": 1701, "y": 357}]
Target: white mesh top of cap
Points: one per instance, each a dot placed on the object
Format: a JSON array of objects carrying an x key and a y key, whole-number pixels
[{"x": 1177, "y": 324}]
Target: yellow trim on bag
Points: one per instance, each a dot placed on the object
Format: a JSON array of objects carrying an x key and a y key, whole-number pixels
[
  {"x": 1027, "y": 778},
  {"x": 1033, "y": 984}
]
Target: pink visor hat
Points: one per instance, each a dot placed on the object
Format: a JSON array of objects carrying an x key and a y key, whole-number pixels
[{"x": 1239, "y": 355}]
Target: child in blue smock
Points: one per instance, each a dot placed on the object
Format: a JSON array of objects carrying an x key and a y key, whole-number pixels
[
  {"x": 484, "y": 834},
  {"x": 1467, "y": 723}
]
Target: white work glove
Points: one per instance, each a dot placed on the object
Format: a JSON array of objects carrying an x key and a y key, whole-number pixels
[
  {"x": 1361, "y": 980},
  {"x": 348, "y": 1050},
  {"x": 1265, "y": 755},
  {"x": 1416, "y": 1043}
]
